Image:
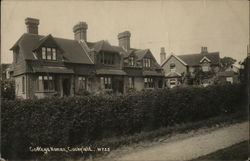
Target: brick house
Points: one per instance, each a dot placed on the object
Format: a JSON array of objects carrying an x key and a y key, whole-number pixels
[
  {"x": 46, "y": 65},
  {"x": 200, "y": 68}
]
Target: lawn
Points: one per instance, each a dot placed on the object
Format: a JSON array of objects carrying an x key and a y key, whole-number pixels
[{"x": 237, "y": 152}]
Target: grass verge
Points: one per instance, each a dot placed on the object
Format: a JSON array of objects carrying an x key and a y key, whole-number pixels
[{"x": 237, "y": 152}]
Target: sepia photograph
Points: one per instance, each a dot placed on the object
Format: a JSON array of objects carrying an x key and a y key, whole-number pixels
[{"x": 132, "y": 80}]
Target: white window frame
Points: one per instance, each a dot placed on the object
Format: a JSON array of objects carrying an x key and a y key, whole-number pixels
[
  {"x": 82, "y": 82},
  {"x": 229, "y": 79}
]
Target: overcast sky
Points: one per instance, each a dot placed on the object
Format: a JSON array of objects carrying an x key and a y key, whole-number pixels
[{"x": 182, "y": 27}]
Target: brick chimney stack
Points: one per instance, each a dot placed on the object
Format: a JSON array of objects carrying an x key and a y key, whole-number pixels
[
  {"x": 124, "y": 40},
  {"x": 32, "y": 25},
  {"x": 203, "y": 49},
  {"x": 80, "y": 31},
  {"x": 163, "y": 55}
]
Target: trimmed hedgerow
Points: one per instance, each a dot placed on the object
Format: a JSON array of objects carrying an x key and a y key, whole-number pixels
[{"x": 85, "y": 120}]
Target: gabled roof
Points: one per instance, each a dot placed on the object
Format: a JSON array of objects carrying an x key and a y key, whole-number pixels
[
  {"x": 205, "y": 58},
  {"x": 44, "y": 39},
  {"x": 194, "y": 59},
  {"x": 72, "y": 50},
  {"x": 103, "y": 46},
  {"x": 173, "y": 74},
  {"x": 172, "y": 55},
  {"x": 141, "y": 53}
]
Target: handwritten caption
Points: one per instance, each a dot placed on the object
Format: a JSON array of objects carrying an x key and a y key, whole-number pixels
[{"x": 46, "y": 150}]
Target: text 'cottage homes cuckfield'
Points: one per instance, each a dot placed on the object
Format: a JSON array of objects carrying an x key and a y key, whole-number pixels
[{"x": 46, "y": 65}]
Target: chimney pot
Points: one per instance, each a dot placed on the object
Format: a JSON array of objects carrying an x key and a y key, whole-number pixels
[
  {"x": 80, "y": 31},
  {"x": 32, "y": 25},
  {"x": 203, "y": 49}
]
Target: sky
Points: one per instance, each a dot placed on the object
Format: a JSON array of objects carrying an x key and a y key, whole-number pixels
[{"x": 181, "y": 26}]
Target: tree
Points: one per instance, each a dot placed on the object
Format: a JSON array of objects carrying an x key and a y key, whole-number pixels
[{"x": 226, "y": 62}]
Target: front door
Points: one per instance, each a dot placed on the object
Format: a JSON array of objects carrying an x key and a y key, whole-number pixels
[
  {"x": 120, "y": 86},
  {"x": 66, "y": 87}
]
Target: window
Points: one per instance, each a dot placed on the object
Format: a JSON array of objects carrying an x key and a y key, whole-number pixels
[
  {"x": 148, "y": 82},
  {"x": 53, "y": 54},
  {"x": 229, "y": 79},
  {"x": 173, "y": 83},
  {"x": 82, "y": 82},
  {"x": 172, "y": 67},
  {"x": 45, "y": 83},
  {"x": 147, "y": 62},
  {"x": 23, "y": 84},
  {"x": 48, "y": 53},
  {"x": 107, "y": 58},
  {"x": 131, "y": 82},
  {"x": 205, "y": 68},
  {"x": 44, "y": 53},
  {"x": 106, "y": 82},
  {"x": 131, "y": 61}
]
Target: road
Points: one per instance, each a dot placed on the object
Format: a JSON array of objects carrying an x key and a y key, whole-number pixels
[{"x": 191, "y": 147}]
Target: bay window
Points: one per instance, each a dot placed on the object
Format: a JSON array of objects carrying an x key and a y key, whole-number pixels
[
  {"x": 45, "y": 83},
  {"x": 106, "y": 82},
  {"x": 149, "y": 82}
]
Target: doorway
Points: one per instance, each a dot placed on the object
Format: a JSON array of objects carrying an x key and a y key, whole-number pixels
[{"x": 66, "y": 87}]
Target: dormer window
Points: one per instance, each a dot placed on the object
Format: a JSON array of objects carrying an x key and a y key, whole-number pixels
[
  {"x": 146, "y": 62},
  {"x": 131, "y": 61},
  {"x": 48, "y": 53},
  {"x": 107, "y": 58}
]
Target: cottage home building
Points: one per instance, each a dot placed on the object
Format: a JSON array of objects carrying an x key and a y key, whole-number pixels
[
  {"x": 201, "y": 68},
  {"x": 45, "y": 65}
]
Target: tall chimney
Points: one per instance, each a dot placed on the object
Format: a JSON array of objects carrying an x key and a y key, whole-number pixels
[
  {"x": 32, "y": 25},
  {"x": 163, "y": 54},
  {"x": 80, "y": 31},
  {"x": 203, "y": 49},
  {"x": 124, "y": 40}
]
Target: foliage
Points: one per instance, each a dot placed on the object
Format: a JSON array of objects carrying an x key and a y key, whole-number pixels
[
  {"x": 7, "y": 89},
  {"x": 227, "y": 62},
  {"x": 85, "y": 120}
]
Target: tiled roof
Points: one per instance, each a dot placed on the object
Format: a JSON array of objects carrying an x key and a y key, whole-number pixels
[
  {"x": 103, "y": 46},
  {"x": 152, "y": 73},
  {"x": 73, "y": 52},
  {"x": 173, "y": 75},
  {"x": 141, "y": 53},
  {"x": 194, "y": 59}
]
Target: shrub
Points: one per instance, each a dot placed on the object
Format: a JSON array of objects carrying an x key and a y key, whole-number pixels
[
  {"x": 7, "y": 89},
  {"x": 85, "y": 120}
]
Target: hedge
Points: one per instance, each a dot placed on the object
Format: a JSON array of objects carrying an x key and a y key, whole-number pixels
[{"x": 72, "y": 121}]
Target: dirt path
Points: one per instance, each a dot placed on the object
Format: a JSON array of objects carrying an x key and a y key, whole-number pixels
[{"x": 191, "y": 147}]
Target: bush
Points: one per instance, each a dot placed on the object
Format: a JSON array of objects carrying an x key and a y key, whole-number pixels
[
  {"x": 7, "y": 89},
  {"x": 85, "y": 120}
]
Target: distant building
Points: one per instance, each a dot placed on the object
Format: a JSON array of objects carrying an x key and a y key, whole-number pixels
[
  {"x": 200, "y": 68},
  {"x": 6, "y": 71},
  {"x": 46, "y": 65},
  {"x": 230, "y": 75}
]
